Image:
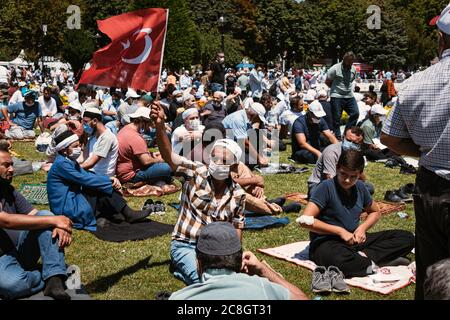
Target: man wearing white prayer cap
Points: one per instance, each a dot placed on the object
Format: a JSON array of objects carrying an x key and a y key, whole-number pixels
[
  {"x": 189, "y": 134},
  {"x": 208, "y": 194}
]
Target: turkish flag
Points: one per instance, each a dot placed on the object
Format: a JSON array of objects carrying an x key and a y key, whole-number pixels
[{"x": 134, "y": 57}]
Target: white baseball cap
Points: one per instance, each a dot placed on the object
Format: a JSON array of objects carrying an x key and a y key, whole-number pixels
[
  {"x": 76, "y": 105},
  {"x": 378, "y": 109},
  {"x": 260, "y": 110},
  {"x": 316, "y": 108},
  {"x": 141, "y": 112},
  {"x": 443, "y": 20},
  {"x": 92, "y": 110},
  {"x": 131, "y": 94}
]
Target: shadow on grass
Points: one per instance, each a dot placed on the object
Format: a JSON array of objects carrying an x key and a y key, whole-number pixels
[{"x": 102, "y": 285}]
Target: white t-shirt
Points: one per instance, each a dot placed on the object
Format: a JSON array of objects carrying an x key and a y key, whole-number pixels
[
  {"x": 16, "y": 97},
  {"x": 178, "y": 133},
  {"x": 48, "y": 106},
  {"x": 107, "y": 147},
  {"x": 4, "y": 75}
]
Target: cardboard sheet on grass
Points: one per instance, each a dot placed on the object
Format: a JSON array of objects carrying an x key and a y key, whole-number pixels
[
  {"x": 35, "y": 193},
  {"x": 146, "y": 190},
  {"x": 255, "y": 221},
  {"x": 385, "y": 281}
]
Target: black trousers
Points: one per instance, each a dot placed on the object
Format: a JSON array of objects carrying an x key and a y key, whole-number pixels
[
  {"x": 374, "y": 155},
  {"x": 432, "y": 206},
  {"x": 108, "y": 206},
  {"x": 380, "y": 247}
]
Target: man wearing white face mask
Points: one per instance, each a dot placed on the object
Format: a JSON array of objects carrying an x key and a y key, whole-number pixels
[
  {"x": 185, "y": 137},
  {"x": 209, "y": 194},
  {"x": 81, "y": 195},
  {"x": 306, "y": 131}
]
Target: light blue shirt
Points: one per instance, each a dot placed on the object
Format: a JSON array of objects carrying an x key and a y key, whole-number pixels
[
  {"x": 342, "y": 81},
  {"x": 237, "y": 125},
  {"x": 25, "y": 116},
  {"x": 255, "y": 82},
  {"x": 224, "y": 284},
  {"x": 422, "y": 113}
]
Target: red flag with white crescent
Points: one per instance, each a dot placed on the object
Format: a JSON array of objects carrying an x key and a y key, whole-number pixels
[{"x": 134, "y": 57}]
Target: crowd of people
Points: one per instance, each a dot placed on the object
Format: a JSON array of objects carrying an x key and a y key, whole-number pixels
[{"x": 212, "y": 131}]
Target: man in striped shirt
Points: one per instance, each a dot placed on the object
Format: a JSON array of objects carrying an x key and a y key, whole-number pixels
[
  {"x": 419, "y": 125},
  {"x": 208, "y": 195}
]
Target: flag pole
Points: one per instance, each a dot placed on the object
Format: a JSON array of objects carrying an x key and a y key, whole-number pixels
[{"x": 162, "y": 55}]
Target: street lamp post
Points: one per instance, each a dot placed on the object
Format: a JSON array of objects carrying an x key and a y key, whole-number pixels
[
  {"x": 44, "y": 30},
  {"x": 338, "y": 48},
  {"x": 222, "y": 23}
]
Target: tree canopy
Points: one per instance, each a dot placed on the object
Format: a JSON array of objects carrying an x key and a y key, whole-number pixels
[{"x": 261, "y": 30}]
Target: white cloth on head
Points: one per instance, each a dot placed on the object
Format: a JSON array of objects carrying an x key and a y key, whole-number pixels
[
  {"x": 189, "y": 112},
  {"x": 66, "y": 142},
  {"x": 230, "y": 145}
]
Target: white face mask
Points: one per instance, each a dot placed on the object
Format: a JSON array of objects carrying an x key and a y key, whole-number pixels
[
  {"x": 179, "y": 99},
  {"x": 76, "y": 153},
  {"x": 221, "y": 60},
  {"x": 219, "y": 171},
  {"x": 194, "y": 124}
]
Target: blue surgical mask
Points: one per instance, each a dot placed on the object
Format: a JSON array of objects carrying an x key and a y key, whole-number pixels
[
  {"x": 348, "y": 145},
  {"x": 87, "y": 128}
]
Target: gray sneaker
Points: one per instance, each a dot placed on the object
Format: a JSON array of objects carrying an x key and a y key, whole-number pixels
[
  {"x": 337, "y": 280},
  {"x": 321, "y": 282}
]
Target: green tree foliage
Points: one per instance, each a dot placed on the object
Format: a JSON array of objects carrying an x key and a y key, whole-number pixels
[{"x": 259, "y": 29}]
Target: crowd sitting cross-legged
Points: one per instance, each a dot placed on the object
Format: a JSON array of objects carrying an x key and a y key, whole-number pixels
[{"x": 210, "y": 132}]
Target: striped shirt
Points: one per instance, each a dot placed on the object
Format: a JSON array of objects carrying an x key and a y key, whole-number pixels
[
  {"x": 422, "y": 113},
  {"x": 199, "y": 206}
]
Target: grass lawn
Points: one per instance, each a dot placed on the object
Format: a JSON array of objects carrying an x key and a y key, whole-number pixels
[{"x": 138, "y": 270}]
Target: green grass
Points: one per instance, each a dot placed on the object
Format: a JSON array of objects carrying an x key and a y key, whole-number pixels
[{"x": 138, "y": 270}]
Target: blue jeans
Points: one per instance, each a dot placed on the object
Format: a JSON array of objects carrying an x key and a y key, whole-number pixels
[
  {"x": 19, "y": 276},
  {"x": 184, "y": 261},
  {"x": 154, "y": 173},
  {"x": 216, "y": 87},
  {"x": 107, "y": 119},
  {"x": 350, "y": 106},
  {"x": 304, "y": 156},
  {"x": 112, "y": 126}
]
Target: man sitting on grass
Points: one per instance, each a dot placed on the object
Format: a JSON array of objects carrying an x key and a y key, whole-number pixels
[
  {"x": 333, "y": 218},
  {"x": 326, "y": 164},
  {"x": 228, "y": 274},
  {"x": 101, "y": 151},
  {"x": 42, "y": 236},
  {"x": 208, "y": 194},
  {"x": 25, "y": 115},
  {"x": 82, "y": 195}
]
